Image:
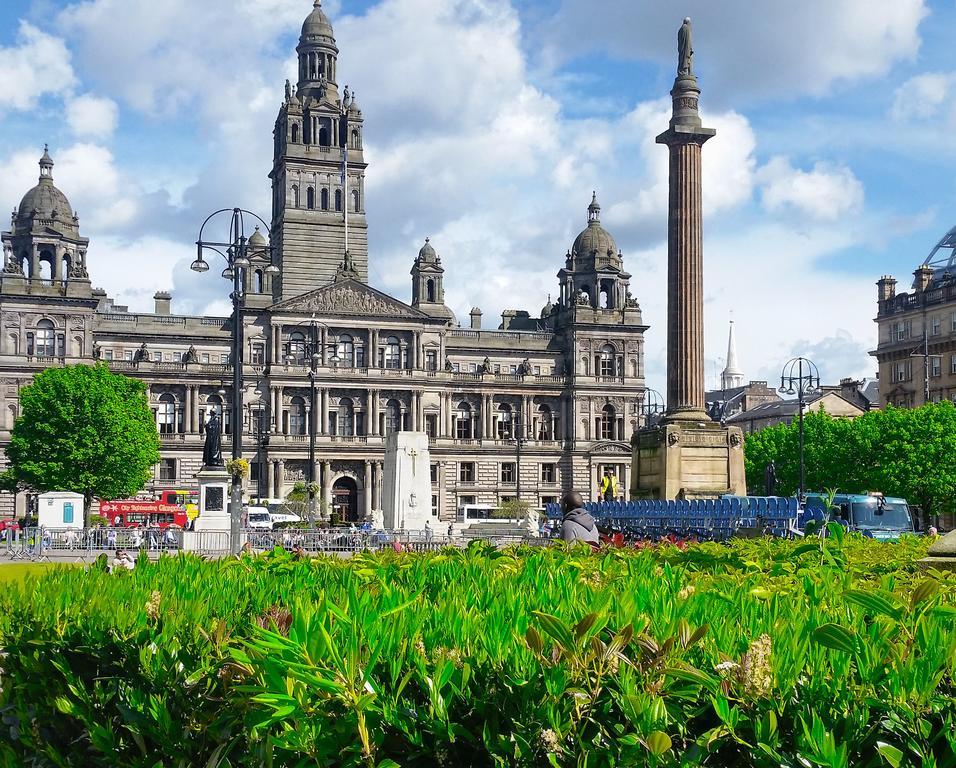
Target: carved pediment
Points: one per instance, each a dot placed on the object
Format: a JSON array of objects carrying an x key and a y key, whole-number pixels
[
  {"x": 348, "y": 297},
  {"x": 612, "y": 448}
]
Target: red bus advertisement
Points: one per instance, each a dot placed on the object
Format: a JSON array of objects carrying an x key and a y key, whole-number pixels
[{"x": 133, "y": 513}]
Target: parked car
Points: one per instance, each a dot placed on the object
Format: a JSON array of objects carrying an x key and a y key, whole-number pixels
[{"x": 872, "y": 514}]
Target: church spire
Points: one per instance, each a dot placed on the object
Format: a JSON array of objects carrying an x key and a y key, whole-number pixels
[{"x": 732, "y": 375}]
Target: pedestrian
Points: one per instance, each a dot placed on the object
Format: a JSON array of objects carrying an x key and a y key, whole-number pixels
[
  {"x": 429, "y": 533},
  {"x": 609, "y": 486},
  {"x": 111, "y": 538},
  {"x": 451, "y": 531},
  {"x": 122, "y": 561},
  {"x": 577, "y": 524}
]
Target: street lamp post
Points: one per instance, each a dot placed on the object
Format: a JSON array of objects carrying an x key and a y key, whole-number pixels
[
  {"x": 800, "y": 376},
  {"x": 235, "y": 251},
  {"x": 519, "y": 439}
]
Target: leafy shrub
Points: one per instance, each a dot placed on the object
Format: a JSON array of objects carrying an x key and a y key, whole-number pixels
[{"x": 831, "y": 653}]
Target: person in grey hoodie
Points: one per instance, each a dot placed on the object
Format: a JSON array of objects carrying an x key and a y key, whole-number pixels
[{"x": 577, "y": 524}]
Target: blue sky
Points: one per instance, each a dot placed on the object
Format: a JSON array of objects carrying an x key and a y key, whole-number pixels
[{"x": 489, "y": 122}]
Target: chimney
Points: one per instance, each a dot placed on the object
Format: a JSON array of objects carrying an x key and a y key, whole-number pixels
[
  {"x": 850, "y": 388},
  {"x": 885, "y": 288},
  {"x": 921, "y": 277},
  {"x": 163, "y": 300},
  {"x": 475, "y": 319},
  {"x": 506, "y": 317},
  {"x": 102, "y": 302}
]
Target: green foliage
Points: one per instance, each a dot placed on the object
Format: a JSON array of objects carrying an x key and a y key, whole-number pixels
[
  {"x": 238, "y": 469},
  {"x": 751, "y": 654},
  {"x": 906, "y": 452},
  {"x": 513, "y": 509},
  {"x": 84, "y": 429}
]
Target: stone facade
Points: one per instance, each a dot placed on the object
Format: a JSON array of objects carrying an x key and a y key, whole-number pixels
[
  {"x": 569, "y": 381},
  {"x": 916, "y": 348}
]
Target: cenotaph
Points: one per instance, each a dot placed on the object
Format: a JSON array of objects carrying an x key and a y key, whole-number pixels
[{"x": 406, "y": 487}]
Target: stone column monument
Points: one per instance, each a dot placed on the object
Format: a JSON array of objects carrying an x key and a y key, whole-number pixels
[
  {"x": 688, "y": 455},
  {"x": 213, "y": 482}
]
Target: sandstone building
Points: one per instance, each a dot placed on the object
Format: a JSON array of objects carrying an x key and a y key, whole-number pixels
[{"x": 568, "y": 380}]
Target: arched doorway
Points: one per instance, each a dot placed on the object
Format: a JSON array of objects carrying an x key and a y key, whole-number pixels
[{"x": 345, "y": 499}]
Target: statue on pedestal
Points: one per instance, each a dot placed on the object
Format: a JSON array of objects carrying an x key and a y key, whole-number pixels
[
  {"x": 212, "y": 447},
  {"x": 685, "y": 50}
]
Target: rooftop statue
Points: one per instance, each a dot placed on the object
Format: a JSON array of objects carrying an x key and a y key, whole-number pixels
[{"x": 685, "y": 50}]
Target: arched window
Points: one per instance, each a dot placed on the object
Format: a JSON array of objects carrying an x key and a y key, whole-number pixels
[
  {"x": 325, "y": 199},
  {"x": 346, "y": 351},
  {"x": 66, "y": 264},
  {"x": 11, "y": 416},
  {"x": 13, "y": 344},
  {"x": 166, "y": 414},
  {"x": 78, "y": 346},
  {"x": 346, "y": 417},
  {"x": 545, "y": 423},
  {"x": 45, "y": 339},
  {"x": 463, "y": 422},
  {"x": 430, "y": 290},
  {"x": 297, "y": 416},
  {"x": 392, "y": 354},
  {"x": 606, "y": 297},
  {"x": 257, "y": 281},
  {"x": 295, "y": 195},
  {"x": 393, "y": 417},
  {"x": 295, "y": 133},
  {"x": 505, "y": 422},
  {"x": 310, "y": 198},
  {"x": 608, "y": 422},
  {"x": 607, "y": 361},
  {"x": 355, "y": 138},
  {"x": 297, "y": 348},
  {"x": 325, "y": 132},
  {"x": 355, "y": 201},
  {"x": 338, "y": 200},
  {"x": 26, "y": 266},
  {"x": 46, "y": 265}
]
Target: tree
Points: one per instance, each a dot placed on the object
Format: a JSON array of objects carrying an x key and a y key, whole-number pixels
[
  {"x": 909, "y": 453},
  {"x": 83, "y": 429}
]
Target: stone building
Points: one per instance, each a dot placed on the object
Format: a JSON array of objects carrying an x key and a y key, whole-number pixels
[
  {"x": 734, "y": 396},
  {"x": 916, "y": 348},
  {"x": 327, "y": 357}
]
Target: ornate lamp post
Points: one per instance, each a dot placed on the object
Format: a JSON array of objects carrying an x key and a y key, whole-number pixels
[
  {"x": 235, "y": 251},
  {"x": 801, "y": 377},
  {"x": 650, "y": 406}
]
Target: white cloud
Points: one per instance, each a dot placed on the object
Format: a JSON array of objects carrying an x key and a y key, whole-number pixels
[
  {"x": 776, "y": 48},
  {"x": 91, "y": 116},
  {"x": 37, "y": 65},
  {"x": 923, "y": 96},
  {"x": 827, "y": 192}
]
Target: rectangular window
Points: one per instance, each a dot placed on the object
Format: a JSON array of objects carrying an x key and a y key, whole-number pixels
[
  {"x": 472, "y": 367},
  {"x": 225, "y": 359},
  {"x": 935, "y": 366},
  {"x": 157, "y": 357},
  {"x": 466, "y": 472},
  {"x": 900, "y": 331},
  {"x": 952, "y": 322},
  {"x": 431, "y": 425},
  {"x": 537, "y": 370},
  {"x": 513, "y": 369},
  {"x": 456, "y": 367},
  {"x": 497, "y": 368},
  {"x": 433, "y": 471},
  {"x": 508, "y": 473},
  {"x": 934, "y": 327},
  {"x": 205, "y": 358},
  {"x": 554, "y": 370},
  {"x": 177, "y": 357},
  {"x": 167, "y": 469},
  {"x": 466, "y": 500},
  {"x": 902, "y": 371},
  {"x": 548, "y": 473},
  {"x": 431, "y": 360},
  {"x": 107, "y": 354},
  {"x": 128, "y": 355},
  {"x": 952, "y": 364},
  {"x": 258, "y": 354}
]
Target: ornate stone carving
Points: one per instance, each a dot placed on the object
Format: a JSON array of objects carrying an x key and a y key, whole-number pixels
[
  {"x": 736, "y": 440},
  {"x": 673, "y": 438},
  {"x": 348, "y": 298}
]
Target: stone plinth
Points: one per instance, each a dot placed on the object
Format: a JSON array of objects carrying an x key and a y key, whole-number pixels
[
  {"x": 407, "y": 487},
  {"x": 213, "y": 499},
  {"x": 942, "y": 554},
  {"x": 687, "y": 460}
]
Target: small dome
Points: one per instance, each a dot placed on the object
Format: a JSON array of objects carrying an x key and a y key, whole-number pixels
[
  {"x": 317, "y": 24},
  {"x": 257, "y": 240},
  {"x": 547, "y": 309},
  {"x": 427, "y": 252},
  {"x": 45, "y": 198},
  {"x": 594, "y": 238}
]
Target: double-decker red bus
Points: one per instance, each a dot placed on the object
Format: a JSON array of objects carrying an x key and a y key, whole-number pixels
[{"x": 136, "y": 513}]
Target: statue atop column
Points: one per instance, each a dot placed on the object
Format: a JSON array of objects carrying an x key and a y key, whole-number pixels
[
  {"x": 212, "y": 447},
  {"x": 685, "y": 50}
]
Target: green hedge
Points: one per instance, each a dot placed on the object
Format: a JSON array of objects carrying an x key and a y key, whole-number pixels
[{"x": 834, "y": 653}]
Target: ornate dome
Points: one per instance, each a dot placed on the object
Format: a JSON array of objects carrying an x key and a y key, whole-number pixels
[
  {"x": 256, "y": 240},
  {"x": 547, "y": 309},
  {"x": 594, "y": 238},
  {"x": 427, "y": 252},
  {"x": 45, "y": 198},
  {"x": 317, "y": 24}
]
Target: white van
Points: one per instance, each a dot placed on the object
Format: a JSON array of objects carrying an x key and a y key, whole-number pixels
[{"x": 259, "y": 518}]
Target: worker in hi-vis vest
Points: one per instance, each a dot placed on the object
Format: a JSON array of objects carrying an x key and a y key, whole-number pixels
[{"x": 609, "y": 486}]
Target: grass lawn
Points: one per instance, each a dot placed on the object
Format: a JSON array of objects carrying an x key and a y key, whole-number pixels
[{"x": 18, "y": 571}]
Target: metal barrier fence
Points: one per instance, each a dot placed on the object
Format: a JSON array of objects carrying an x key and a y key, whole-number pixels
[
  {"x": 715, "y": 519},
  {"x": 36, "y": 544}
]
